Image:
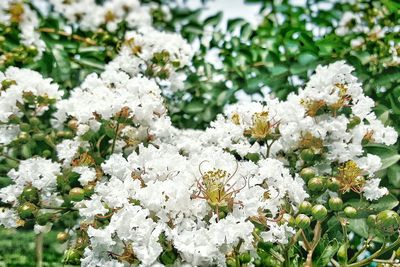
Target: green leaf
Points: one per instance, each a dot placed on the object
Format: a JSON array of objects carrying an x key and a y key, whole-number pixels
[
  {"x": 359, "y": 226},
  {"x": 278, "y": 70},
  {"x": 307, "y": 57},
  {"x": 246, "y": 31},
  {"x": 393, "y": 174},
  {"x": 233, "y": 23},
  {"x": 214, "y": 20},
  {"x": 385, "y": 203},
  {"x": 328, "y": 253},
  {"x": 62, "y": 61},
  {"x": 194, "y": 107}
]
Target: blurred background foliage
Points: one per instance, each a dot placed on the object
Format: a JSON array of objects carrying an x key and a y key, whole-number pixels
[{"x": 233, "y": 60}]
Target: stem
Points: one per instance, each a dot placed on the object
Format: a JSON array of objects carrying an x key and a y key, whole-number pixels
[
  {"x": 365, "y": 246},
  {"x": 39, "y": 249},
  {"x": 269, "y": 147},
  {"x": 65, "y": 34},
  {"x": 305, "y": 240},
  {"x": 56, "y": 208},
  {"x": 8, "y": 157},
  {"x": 381, "y": 251},
  {"x": 115, "y": 139},
  {"x": 316, "y": 238},
  {"x": 335, "y": 263}
]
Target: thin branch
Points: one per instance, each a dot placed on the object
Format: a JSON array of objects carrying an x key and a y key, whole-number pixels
[{"x": 68, "y": 35}]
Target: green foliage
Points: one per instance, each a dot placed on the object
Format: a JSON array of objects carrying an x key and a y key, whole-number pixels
[{"x": 17, "y": 248}]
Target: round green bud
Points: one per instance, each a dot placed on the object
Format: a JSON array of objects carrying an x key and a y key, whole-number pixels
[
  {"x": 25, "y": 127},
  {"x": 335, "y": 203},
  {"x": 307, "y": 155},
  {"x": 44, "y": 218},
  {"x": 388, "y": 221},
  {"x": 168, "y": 257},
  {"x": 38, "y": 136},
  {"x": 353, "y": 122},
  {"x": 245, "y": 257},
  {"x": 333, "y": 184},
  {"x": 30, "y": 194},
  {"x": 46, "y": 153},
  {"x": 350, "y": 212},
  {"x": 34, "y": 121},
  {"x": 81, "y": 243},
  {"x": 26, "y": 151},
  {"x": 303, "y": 221},
  {"x": 316, "y": 184},
  {"x": 398, "y": 253},
  {"x": 89, "y": 190},
  {"x": 77, "y": 194},
  {"x": 27, "y": 210},
  {"x": 62, "y": 237},
  {"x": 319, "y": 212},
  {"x": 371, "y": 221},
  {"x": 305, "y": 207},
  {"x": 230, "y": 262},
  {"x": 72, "y": 256},
  {"x": 307, "y": 173},
  {"x": 23, "y": 137}
]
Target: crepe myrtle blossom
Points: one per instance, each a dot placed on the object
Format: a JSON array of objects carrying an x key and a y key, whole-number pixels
[
  {"x": 90, "y": 16},
  {"x": 149, "y": 194},
  {"x": 20, "y": 13}
]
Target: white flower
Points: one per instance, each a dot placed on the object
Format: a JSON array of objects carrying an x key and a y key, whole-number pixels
[
  {"x": 372, "y": 191},
  {"x": 41, "y": 173}
]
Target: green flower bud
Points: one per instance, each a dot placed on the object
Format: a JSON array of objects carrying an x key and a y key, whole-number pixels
[
  {"x": 30, "y": 194},
  {"x": 72, "y": 256},
  {"x": 168, "y": 257},
  {"x": 245, "y": 257},
  {"x": 44, "y": 218},
  {"x": 46, "y": 153},
  {"x": 307, "y": 155},
  {"x": 319, "y": 212},
  {"x": 23, "y": 137},
  {"x": 388, "y": 221},
  {"x": 302, "y": 221},
  {"x": 26, "y": 151},
  {"x": 27, "y": 210},
  {"x": 89, "y": 190},
  {"x": 353, "y": 122},
  {"x": 342, "y": 254},
  {"x": 305, "y": 207},
  {"x": 350, "y": 212},
  {"x": 333, "y": 184},
  {"x": 307, "y": 173},
  {"x": 231, "y": 262},
  {"x": 34, "y": 121},
  {"x": 335, "y": 203},
  {"x": 316, "y": 184},
  {"x": 38, "y": 136},
  {"x": 25, "y": 127},
  {"x": 77, "y": 194},
  {"x": 81, "y": 243},
  {"x": 62, "y": 237}
]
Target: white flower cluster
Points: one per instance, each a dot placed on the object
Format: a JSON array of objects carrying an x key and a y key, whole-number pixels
[
  {"x": 16, "y": 11},
  {"x": 20, "y": 95},
  {"x": 156, "y": 54},
  {"x": 198, "y": 194},
  {"x": 90, "y": 15}
]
